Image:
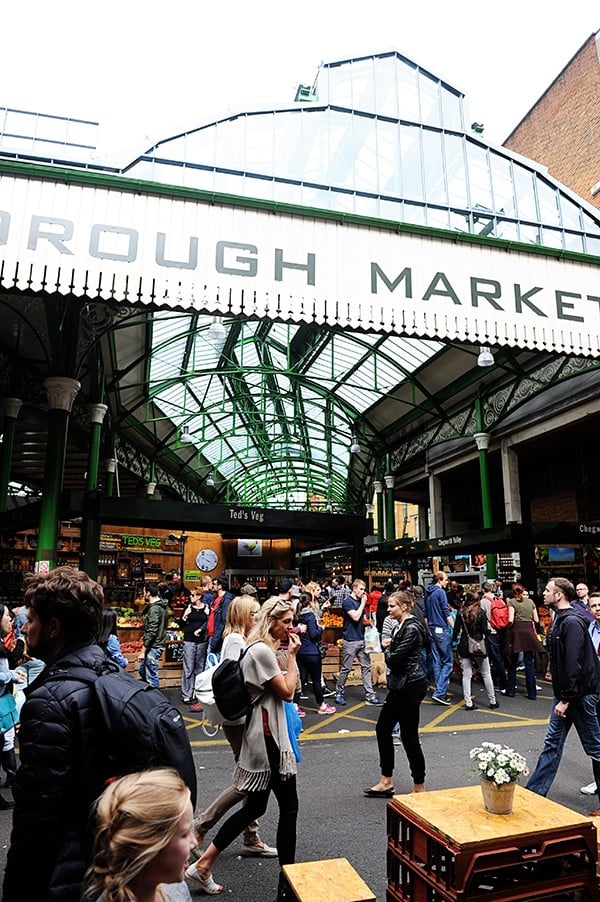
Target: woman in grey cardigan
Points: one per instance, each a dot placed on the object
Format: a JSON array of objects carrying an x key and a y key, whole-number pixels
[{"x": 266, "y": 762}]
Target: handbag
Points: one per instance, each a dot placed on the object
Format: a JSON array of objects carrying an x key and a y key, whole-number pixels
[
  {"x": 8, "y": 712},
  {"x": 476, "y": 647}
]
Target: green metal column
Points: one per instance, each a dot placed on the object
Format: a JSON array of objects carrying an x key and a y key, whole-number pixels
[
  {"x": 378, "y": 489},
  {"x": 390, "y": 532},
  {"x": 111, "y": 469},
  {"x": 90, "y": 535},
  {"x": 482, "y": 440},
  {"x": 61, "y": 391},
  {"x": 97, "y": 413},
  {"x": 12, "y": 406}
]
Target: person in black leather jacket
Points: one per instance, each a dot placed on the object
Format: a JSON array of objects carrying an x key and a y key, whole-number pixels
[
  {"x": 407, "y": 687},
  {"x": 59, "y": 775}
]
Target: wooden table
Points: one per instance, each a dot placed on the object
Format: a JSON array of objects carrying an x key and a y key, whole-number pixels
[{"x": 445, "y": 845}]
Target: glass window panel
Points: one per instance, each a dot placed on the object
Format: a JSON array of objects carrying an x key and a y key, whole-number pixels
[
  {"x": 412, "y": 176},
  {"x": 392, "y": 210},
  {"x": 388, "y": 158},
  {"x": 573, "y": 241},
  {"x": 408, "y": 92},
  {"x": 202, "y": 179},
  {"x": 429, "y": 91},
  {"x": 452, "y": 110},
  {"x": 454, "y": 151},
  {"x": 364, "y": 141},
  {"x": 571, "y": 213},
  {"x": 508, "y": 230},
  {"x": 502, "y": 185},
  {"x": 459, "y": 222},
  {"x": 524, "y": 192},
  {"x": 433, "y": 168},
  {"x": 363, "y": 85},
  {"x": 552, "y": 237},
  {"x": 548, "y": 201},
  {"x": 340, "y": 86},
  {"x": 592, "y": 245},
  {"x": 439, "y": 219},
  {"x": 366, "y": 206},
  {"x": 590, "y": 225},
  {"x": 315, "y": 126},
  {"x": 259, "y": 146},
  {"x": 386, "y": 87},
  {"x": 414, "y": 214},
  {"x": 530, "y": 234},
  {"x": 479, "y": 177},
  {"x": 340, "y": 161}
]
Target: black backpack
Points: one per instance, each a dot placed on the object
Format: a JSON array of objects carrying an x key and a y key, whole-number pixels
[
  {"x": 229, "y": 689},
  {"x": 141, "y": 728}
]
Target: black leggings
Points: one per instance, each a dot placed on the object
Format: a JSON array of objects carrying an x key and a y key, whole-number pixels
[
  {"x": 402, "y": 707},
  {"x": 311, "y": 666},
  {"x": 256, "y": 804}
]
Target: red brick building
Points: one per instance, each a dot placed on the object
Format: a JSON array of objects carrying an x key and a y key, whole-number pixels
[{"x": 562, "y": 129}]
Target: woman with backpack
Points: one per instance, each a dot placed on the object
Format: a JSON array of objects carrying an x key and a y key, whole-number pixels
[
  {"x": 471, "y": 623},
  {"x": 267, "y": 762}
]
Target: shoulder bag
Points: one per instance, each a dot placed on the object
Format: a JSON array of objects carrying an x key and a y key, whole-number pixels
[{"x": 476, "y": 647}]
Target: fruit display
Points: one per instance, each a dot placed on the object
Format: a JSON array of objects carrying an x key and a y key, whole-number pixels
[
  {"x": 330, "y": 619},
  {"x": 127, "y": 617},
  {"x": 131, "y": 648}
]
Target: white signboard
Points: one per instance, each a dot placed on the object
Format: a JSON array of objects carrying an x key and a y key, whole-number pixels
[{"x": 222, "y": 259}]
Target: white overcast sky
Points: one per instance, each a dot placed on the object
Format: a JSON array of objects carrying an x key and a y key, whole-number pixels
[{"x": 146, "y": 69}]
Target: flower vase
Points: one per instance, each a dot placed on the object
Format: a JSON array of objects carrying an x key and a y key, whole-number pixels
[{"x": 498, "y": 799}]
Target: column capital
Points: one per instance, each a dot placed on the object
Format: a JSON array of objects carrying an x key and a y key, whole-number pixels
[
  {"x": 370, "y": 510},
  {"x": 12, "y": 406},
  {"x": 482, "y": 440},
  {"x": 97, "y": 413},
  {"x": 378, "y": 487},
  {"x": 150, "y": 488},
  {"x": 61, "y": 392},
  {"x": 390, "y": 481},
  {"x": 111, "y": 465}
]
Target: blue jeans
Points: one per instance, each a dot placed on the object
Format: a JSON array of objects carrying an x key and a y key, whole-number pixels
[
  {"x": 529, "y": 661},
  {"x": 583, "y": 715},
  {"x": 148, "y": 668},
  {"x": 193, "y": 661},
  {"x": 441, "y": 658}
]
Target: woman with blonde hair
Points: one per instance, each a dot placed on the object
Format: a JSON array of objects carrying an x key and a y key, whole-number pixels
[
  {"x": 266, "y": 762},
  {"x": 143, "y": 840},
  {"x": 241, "y": 616}
]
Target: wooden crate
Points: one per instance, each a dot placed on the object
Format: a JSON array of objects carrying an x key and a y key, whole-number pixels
[
  {"x": 444, "y": 846},
  {"x": 332, "y": 880}
]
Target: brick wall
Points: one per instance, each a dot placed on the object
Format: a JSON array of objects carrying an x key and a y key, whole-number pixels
[
  {"x": 558, "y": 506},
  {"x": 562, "y": 130}
]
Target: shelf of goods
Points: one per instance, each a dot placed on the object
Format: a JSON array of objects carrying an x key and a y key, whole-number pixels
[
  {"x": 130, "y": 634},
  {"x": 539, "y": 851}
]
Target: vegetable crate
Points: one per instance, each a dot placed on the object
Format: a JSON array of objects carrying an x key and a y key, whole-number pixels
[{"x": 444, "y": 846}]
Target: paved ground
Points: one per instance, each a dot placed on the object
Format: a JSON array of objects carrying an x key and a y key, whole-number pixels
[{"x": 340, "y": 759}]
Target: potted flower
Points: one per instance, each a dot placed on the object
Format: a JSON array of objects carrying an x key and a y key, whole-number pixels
[{"x": 499, "y": 768}]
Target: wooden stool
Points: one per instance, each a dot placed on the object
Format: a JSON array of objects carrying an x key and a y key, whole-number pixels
[{"x": 331, "y": 880}]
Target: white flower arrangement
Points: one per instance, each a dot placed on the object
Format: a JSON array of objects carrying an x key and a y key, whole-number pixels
[{"x": 498, "y": 764}]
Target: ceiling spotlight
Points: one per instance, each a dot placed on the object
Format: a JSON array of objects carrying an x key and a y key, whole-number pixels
[
  {"x": 328, "y": 479},
  {"x": 184, "y": 436},
  {"x": 354, "y": 447},
  {"x": 485, "y": 357},
  {"x": 210, "y": 479}
]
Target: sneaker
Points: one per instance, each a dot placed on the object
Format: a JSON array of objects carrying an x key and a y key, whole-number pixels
[
  {"x": 187, "y": 701},
  {"x": 328, "y": 693},
  {"x": 396, "y": 739},
  {"x": 327, "y": 709},
  {"x": 494, "y": 705},
  {"x": 375, "y": 702},
  {"x": 339, "y": 699},
  {"x": 196, "y": 707},
  {"x": 303, "y": 698},
  {"x": 300, "y": 712},
  {"x": 588, "y": 790},
  {"x": 258, "y": 850},
  {"x": 440, "y": 700}
]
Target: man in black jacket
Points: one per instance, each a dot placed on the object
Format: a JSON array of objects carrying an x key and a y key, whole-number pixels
[
  {"x": 59, "y": 776},
  {"x": 575, "y": 683}
]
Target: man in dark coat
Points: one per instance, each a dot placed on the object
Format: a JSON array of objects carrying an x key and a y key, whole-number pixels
[
  {"x": 575, "y": 684},
  {"x": 59, "y": 776}
]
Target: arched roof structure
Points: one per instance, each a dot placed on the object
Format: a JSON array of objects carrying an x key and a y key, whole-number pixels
[{"x": 287, "y": 409}]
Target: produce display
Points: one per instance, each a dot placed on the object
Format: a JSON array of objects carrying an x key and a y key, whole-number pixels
[
  {"x": 332, "y": 619},
  {"x": 128, "y": 617},
  {"x": 131, "y": 648}
]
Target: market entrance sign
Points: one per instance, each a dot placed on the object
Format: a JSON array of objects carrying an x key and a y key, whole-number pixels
[{"x": 190, "y": 254}]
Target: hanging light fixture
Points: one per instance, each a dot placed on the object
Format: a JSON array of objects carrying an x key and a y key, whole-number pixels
[
  {"x": 216, "y": 331},
  {"x": 485, "y": 357},
  {"x": 185, "y": 436},
  {"x": 210, "y": 479},
  {"x": 354, "y": 446}
]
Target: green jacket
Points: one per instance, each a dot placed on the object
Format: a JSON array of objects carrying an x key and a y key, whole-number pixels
[{"x": 155, "y": 623}]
